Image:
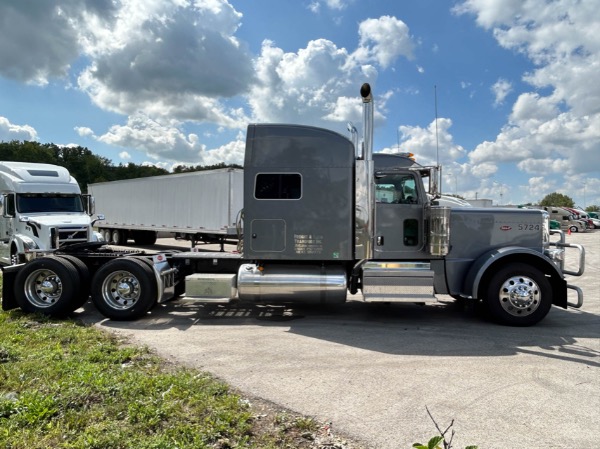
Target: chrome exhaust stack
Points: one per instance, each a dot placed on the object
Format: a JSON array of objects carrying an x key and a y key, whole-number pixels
[
  {"x": 364, "y": 220},
  {"x": 367, "y": 98}
]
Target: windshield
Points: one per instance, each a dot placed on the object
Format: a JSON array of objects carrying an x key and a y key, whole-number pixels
[{"x": 28, "y": 203}]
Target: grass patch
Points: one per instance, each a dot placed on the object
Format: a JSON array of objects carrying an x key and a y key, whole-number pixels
[{"x": 66, "y": 385}]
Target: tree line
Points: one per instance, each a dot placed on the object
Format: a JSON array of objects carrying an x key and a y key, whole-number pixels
[{"x": 85, "y": 166}]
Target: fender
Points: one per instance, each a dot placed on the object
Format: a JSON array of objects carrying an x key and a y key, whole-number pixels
[
  {"x": 23, "y": 243},
  {"x": 476, "y": 275}
]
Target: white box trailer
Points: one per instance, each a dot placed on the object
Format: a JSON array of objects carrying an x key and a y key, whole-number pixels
[{"x": 200, "y": 206}]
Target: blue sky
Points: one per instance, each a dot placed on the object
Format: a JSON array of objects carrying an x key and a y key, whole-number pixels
[{"x": 167, "y": 82}]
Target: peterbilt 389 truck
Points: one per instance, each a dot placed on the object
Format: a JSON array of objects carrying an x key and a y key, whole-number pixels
[{"x": 325, "y": 220}]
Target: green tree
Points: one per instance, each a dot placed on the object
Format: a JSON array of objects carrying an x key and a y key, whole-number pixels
[
  {"x": 593, "y": 208},
  {"x": 187, "y": 169},
  {"x": 557, "y": 199},
  {"x": 84, "y": 165}
]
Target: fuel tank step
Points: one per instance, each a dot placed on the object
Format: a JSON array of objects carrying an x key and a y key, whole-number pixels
[{"x": 397, "y": 282}]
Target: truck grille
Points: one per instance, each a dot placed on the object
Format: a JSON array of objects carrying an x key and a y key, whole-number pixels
[{"x": 67, "y": 235}]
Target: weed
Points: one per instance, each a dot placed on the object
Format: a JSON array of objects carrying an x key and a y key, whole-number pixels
[{"x": 434, "y": 442}]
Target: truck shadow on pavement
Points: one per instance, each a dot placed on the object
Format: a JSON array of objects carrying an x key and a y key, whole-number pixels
[{"x": 443, "y": 329}]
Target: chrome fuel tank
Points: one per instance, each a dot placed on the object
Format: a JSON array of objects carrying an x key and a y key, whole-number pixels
[{"x": 286, "y": 283}]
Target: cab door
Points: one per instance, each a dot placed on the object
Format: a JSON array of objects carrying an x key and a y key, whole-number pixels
[{"x": 399, "y": 204}]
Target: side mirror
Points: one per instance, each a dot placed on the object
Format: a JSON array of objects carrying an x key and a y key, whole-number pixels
[
  {"x": 89, "y": 204},
  {"x": 434, "y": 181},
  {"x": 8, "y": 202}
]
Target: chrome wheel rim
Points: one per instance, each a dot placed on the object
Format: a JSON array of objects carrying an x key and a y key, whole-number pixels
[
  {"x": 520, "y": 296},
  {"x": 121, "y": 290},
  {"x": 43, "y": 288}
]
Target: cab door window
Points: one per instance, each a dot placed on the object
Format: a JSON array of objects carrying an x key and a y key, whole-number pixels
[{"x": 396, "y": 189}]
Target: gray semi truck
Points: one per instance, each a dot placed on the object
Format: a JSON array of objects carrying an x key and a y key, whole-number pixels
[{"x": 324, "y": 220}]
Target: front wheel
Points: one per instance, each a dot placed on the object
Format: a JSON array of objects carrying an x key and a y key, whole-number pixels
[
  {"x": 518, "y": 295},
  {"x": 574, "y": 229},
  {"x": 124, "y": 289}
]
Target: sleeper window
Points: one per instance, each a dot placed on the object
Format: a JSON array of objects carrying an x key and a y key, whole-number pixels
[{"x": 278, "y": 186}]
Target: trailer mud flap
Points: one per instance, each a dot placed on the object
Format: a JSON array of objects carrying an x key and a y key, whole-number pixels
[{"x": 8, "y": 282}]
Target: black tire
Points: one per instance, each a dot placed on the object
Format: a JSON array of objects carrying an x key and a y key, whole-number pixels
[
  {"x": 124, "y": 289},
  {"x": 48, "y": 285},
  {"x": 119, "y": 237},
  {"x": 574, "y": 229},
  {"x": 518, "y": 295},
  {"x": 84, "y": 279},
  {"x": 144, "y": 237},
  {"x": 107, "y": 236}
]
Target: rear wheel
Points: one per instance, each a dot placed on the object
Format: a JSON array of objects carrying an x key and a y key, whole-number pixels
[
  {"x": 48, "y": 285},
  {"x": 84, "y": 279},
  {"x": 124, "y": 289},
  {"x": 518, "y": 295}
]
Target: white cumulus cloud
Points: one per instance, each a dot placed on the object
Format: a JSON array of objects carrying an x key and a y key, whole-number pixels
[
  {"x": 563, "y": 123},
  {"x": 9, "y": 131}
]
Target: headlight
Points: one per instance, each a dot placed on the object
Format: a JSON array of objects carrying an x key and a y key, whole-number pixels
[{"x": 555, "y": 254}]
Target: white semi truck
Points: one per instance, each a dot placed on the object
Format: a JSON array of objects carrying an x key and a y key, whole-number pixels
[
  {"x": 200, "y": 206},
  {"x": 41, "y": 210},
  {"x": 325, "y": 219}
]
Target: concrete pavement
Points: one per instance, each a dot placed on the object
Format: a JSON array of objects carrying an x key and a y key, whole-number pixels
[{"x": 372, "y": 369}]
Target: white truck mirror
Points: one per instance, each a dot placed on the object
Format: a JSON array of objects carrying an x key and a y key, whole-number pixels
[
  {"x": 89, "y": 204},
  {"x": 8, "y": 205}
]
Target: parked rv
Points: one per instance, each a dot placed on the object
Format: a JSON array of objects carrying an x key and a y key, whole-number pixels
[{"x": 565, "y": 217}]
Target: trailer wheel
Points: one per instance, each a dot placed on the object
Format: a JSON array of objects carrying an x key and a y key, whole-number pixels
[
  {"x": 84, "y": 279},
  {"x": 519, "y": 295},
  {"x": 119, "y": 237},
  {"x": 124, "y": 289},
  {"x": 48, "y": 285}
]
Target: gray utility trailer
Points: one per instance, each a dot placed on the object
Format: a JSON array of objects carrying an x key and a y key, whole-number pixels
[
  {"x": 324, "y": 220},
  {"x": 199, "y": 206}
]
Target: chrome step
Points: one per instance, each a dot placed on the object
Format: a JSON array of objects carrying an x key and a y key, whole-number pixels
[{"x": 390, "y": 281}]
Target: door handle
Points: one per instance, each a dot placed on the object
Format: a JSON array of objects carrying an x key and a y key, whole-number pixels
[{"x": 379, "y": 240}]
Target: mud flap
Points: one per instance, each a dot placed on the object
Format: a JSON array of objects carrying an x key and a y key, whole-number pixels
[
  {"x": 9, "y": 274},
  {"x": 559, "y": 292}
]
